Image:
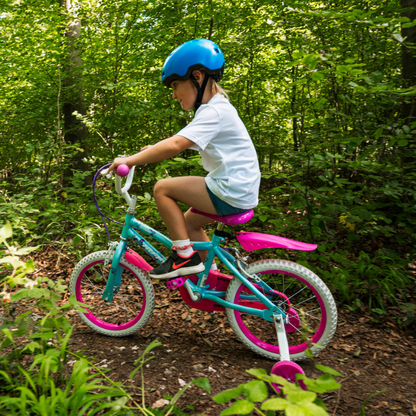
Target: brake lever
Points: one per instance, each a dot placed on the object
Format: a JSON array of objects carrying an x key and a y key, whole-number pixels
[
  {"x": 107, "y": 175},
  {"x": 105, "y": 171}
]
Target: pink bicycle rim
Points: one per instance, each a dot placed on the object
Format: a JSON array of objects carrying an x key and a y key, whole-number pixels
[
  {"x": 273, "y": 348},
  {"x": 99, "y": 322}
]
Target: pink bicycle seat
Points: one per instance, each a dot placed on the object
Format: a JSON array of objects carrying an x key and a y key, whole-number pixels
[{"x": 234, "y": 219}]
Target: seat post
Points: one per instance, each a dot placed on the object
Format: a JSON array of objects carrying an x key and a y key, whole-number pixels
[{"x": 220, "y": 226}]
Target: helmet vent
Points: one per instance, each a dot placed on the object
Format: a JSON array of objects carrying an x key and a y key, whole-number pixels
[{"x": 217, "y": 50}]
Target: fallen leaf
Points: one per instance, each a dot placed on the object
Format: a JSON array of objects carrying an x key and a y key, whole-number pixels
[
  {"x": 160, "y": 403},
  {"x": 208, "y": 342},
  {"x": 390, "y": 372}
]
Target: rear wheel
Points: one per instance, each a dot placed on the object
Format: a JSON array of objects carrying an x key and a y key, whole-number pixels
[
  {"x": 132, "y": 304},
  {"x": 300, "y": 293}
]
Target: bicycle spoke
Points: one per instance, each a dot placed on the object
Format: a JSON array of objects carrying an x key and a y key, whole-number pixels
[
  {"x": 297, "y": 304},
  {"x": 306, "y": 313}
]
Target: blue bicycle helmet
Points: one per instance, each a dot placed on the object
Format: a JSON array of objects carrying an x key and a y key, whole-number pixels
[{"x": 195, "y": 54}]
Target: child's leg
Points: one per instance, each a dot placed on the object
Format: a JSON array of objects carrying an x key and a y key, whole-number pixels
[
  {"x": 194, "y": 223},
  {"x": 190, "y": 190}
]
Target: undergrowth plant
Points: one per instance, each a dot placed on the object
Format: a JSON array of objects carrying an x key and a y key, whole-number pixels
[
  {"x": 376, "y": 280},
  {"x": 39, "y": 375},
  {"x": 291, "y": 400}
]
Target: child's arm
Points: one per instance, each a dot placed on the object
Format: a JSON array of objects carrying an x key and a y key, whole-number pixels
[{"x": 163, "y": 150}]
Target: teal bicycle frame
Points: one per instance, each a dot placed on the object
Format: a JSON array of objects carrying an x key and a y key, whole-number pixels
[{"x": 197, "y": 291}]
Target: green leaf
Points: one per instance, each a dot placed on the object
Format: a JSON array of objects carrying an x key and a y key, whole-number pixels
[
  {"x": 398, "y": 37},
  {"x": 6, "y": 232},
  {"x": 318, "y": 76},
  {"x": 257, "y": 372},
  {"x": 13, "y": 261},
  {"x": 327, "y": 382},
  {"x": 240, "y": 407},
  {"x": 275, "y": 404},
  {"x": 328, "y": 370},
  {"x": 25, "y": 250},
  {"x": 321, "y": 248},
  {"x": 255, "y": 391},
  {"x": 344, "y": 68},
  {"x": 227, "y": 395},
  {"x": 203, "y": 383},
  {"x": 402, "y": 142},
  {"x": 152, "y": 345},
  {"x": 293, "y": 410},
  {"x": 299, "y": 396},
  {"x": 378, "y": 133},
  {"x": 308, "y": 353},
  {"x": 20, "y": 294}
]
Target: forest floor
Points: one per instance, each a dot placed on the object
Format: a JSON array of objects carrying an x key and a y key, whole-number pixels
[{"x": 373, "y": 356}]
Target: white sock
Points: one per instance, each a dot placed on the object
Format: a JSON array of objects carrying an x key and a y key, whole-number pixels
[
  {"x": 183, "y": 247},
  {"x": 214, "y": 266}
]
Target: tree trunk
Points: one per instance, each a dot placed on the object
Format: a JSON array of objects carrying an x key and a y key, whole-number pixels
[
  {"x": 76, "y": 132},
  {"x": 409, "y": 56},
  {"x": 409, "y": 78}
]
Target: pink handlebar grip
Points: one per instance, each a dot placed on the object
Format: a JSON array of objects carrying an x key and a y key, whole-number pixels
[{"x": 123, "y": 170}]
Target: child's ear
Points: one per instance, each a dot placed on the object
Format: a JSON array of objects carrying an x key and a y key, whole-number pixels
[{"x": 197, "y": 74}]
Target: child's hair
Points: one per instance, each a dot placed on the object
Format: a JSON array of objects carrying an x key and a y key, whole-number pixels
[{"x": 217, "y": 89}]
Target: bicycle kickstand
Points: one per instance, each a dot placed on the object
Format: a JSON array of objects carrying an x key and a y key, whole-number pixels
[{"x": 279, "y": 323}]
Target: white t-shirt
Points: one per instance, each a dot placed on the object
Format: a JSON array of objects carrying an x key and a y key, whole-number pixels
[{"x": 227, "y": 152}]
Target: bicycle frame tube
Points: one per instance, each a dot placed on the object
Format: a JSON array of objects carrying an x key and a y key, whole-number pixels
[{"x": 213, "y": 248}]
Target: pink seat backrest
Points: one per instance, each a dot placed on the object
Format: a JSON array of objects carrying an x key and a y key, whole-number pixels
[{"x": 234, "y": 219}]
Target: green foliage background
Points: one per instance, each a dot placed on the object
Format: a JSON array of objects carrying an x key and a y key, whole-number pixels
[{"x": 319, "y": 85}]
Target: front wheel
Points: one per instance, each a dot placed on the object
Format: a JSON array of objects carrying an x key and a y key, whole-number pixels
[
  {"x": 300, "y": 293},
  {"x": 132, "y": 304}
]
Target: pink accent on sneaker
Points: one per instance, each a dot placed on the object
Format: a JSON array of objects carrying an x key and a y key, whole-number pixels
[
  {"x": 136, "y": 259},
  {"x": 256, "y": 241},
  {"x": 234, "y": 219},
  {"x": 182, "y": 248}
]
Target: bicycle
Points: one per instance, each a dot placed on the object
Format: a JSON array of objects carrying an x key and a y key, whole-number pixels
[{"x": 277, "y": 308}]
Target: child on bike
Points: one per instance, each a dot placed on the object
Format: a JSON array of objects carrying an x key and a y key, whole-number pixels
[{"x": 192, "y": 71}]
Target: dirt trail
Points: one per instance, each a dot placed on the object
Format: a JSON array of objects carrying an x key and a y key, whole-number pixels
[{"x": 372, "y": 357}]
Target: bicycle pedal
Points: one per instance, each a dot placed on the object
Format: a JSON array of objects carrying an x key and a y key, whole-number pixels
[{"x": 175, "y": 283}]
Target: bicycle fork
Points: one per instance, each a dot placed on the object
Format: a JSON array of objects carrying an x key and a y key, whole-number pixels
[{"x": 114, "y": 278}]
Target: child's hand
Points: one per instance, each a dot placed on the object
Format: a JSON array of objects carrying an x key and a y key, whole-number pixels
[{"x": 117, "y": 161}]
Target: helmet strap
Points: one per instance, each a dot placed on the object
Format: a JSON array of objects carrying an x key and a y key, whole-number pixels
[{"x": 200, "y": 89}]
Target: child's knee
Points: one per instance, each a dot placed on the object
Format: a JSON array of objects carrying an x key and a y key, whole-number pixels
[{"x": 160, "y": 188}]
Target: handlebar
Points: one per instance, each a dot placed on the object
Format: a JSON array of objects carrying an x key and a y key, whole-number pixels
[{"x": 122, "y": 171}]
